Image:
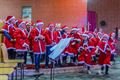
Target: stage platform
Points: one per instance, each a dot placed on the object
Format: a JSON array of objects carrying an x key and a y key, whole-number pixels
[{"x": 75, "y": 73}]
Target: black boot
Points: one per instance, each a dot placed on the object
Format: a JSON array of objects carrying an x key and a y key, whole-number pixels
[
  {"x": 74, "y": 59},
  {"x": 25, "y": 57},
  {"x": 32, "y": 57},
  {"x": 102, "y": 68},
  {"x": 64, "y": 59},
  {"x": 106, "y": 69}
]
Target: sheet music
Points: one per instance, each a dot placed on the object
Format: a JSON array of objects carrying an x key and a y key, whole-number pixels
[
  {"x": 55, "y": 46},
  {"x": 59, "y": 48}
]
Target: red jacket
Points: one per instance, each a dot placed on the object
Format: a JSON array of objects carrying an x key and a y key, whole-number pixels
[
  {"x": 10, "y": 29},
  {"x": 50, "y": 37},
  {"x": 58, "y": 36},
  {"x": 38, "y": 44},
  {"x": 21, "y": 39},
  {"x": 74, "y": 45},
  {"x": 105, "y": 53}
]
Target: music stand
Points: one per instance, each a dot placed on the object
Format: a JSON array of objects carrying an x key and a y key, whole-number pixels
[{"x": 56, "y": 52}]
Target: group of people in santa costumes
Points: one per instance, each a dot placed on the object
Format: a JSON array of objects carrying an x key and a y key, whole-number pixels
[{"x": 87, "y": 48}]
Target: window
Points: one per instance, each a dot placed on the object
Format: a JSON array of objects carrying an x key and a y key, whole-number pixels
[{"x": 27, "y": 13}]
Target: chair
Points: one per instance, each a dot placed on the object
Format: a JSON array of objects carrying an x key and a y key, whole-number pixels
[
  {"x": 7, "y": 60},
  {"x": 7, "y": 72},
  {"x": 3, "y": 77},
  {"x": 5, "y": 56}
]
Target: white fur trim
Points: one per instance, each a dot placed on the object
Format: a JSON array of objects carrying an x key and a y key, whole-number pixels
[
  {"x": 90, "y": 47},
  {"x": 77, "y": 39},
  {"x": 75, "y": 29},
  {"x": 25, "y": 44},
  {"x": 88, "y": 65},
  {"x": 113, "y": 51},
  {"x": 85, "y": 44},
  {"x": 39, "y": 23},
  {"x": 81, "y": 62},
  {"x": 85, "y": 35},
  {"x": 21, "y": 23},
  {"x": 107, "y": 65},
  {"x": 11, "y": 18},
  {"x": 38, "y": 52},
  {"x": 36, "y": 38},
  {"x": 4, "y": 30},
  {"x": 46, "y": 28},
  {"x": 81, "y": 47},
  {"x": 106, "y": 36},
  {"x": 100, "y": 49},
  {"x": 65, "y": 28},
  {"x": 21, "y": 49},
  {"x": 105, "y": 47},
  {"x": 70, "y": 54},
  {"x": 10, "y": 48},
  {"x": 63, "y": 54}
]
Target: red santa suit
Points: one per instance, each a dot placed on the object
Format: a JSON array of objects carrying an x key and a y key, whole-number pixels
[
  {"x": 64, "y": 35},
  {"x": 112, "y": 45},
  {"x": 58, "y": 36},
  {"x": 75, "y": 44},
  {"x": 84, "y": 53},
  {"x": 113, "y": 42},
  {"x": 72, "y": 49},
  {"x": 99, "y": 36},
  {"x": 10, "y": 29},
  {"x": 22, "y": 42},
  {"x": 50, "y": 37},
  {"x": 87, "y": 52},
  {"x": 105, "y": 54},
  {"x": 109, "y": 50},
  {"x": 29, "y": 37},
  {"x": 38, "y": 44},
  {"x": 91, "y": 50}
]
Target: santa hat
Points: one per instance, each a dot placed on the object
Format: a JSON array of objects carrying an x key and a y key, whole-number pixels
[
  {"x": 32, "y": 23},
  {"x": 91, "y": 34},
  {"x": 86, "y": 35},
  {"x": 100, "y": 33},
  {"x": 111, "y": 34},
  {"x": 27, "y": 23},
  {"x": 64, "y": 27},
  {"x": 38, "y": 22},
  {"x": 47, "y": 28},
  {"x": 9, "y": 18},
  {"x": 16, "y": 20},
  {"x": 75, "y": 28},
  {"x": 20, "y": 22},
  {"x": 105, "y": 36},
  {"x": 51, "y": 23}
]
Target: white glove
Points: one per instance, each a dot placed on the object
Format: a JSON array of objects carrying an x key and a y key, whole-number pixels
[
  {"x": 41, "y": 37},
  {"x": 73, "y": 43},
  {"x": 26, "y": 45}
]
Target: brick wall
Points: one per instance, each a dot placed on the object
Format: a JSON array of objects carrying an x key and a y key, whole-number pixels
[
  {"x": 107, "y": 10},
  {"x": 12, "y": 7},
  {"x": 65, "y": 11}
]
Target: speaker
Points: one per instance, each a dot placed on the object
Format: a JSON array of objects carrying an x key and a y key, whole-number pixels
[{"x": 102, "y": 23}]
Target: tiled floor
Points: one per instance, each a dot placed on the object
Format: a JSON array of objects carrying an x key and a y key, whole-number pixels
[{"x": 114, "y": 74}]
